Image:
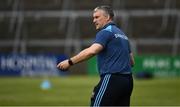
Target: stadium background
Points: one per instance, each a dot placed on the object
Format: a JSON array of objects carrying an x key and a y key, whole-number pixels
[{"x": 36, "y": 34}]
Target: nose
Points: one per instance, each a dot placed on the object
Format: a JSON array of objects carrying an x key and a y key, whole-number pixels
[{"x": 94, "y": 20}]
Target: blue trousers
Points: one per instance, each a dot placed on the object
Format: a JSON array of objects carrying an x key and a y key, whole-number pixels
[{"x": 113, "y": 90}]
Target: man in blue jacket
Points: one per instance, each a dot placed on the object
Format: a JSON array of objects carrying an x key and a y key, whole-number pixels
[{"x": 114, "y": 59}]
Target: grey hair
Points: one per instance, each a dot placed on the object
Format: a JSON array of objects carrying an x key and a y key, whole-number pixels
[{"x": 107, "y": 9}]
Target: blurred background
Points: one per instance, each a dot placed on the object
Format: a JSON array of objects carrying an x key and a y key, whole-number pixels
[{"x": 37, "y": 34}]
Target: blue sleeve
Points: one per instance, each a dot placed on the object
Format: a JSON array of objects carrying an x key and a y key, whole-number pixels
[{"x": 103, "y": 37}]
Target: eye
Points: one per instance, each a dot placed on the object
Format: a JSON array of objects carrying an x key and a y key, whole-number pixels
[{"x": 96, "y": 17}]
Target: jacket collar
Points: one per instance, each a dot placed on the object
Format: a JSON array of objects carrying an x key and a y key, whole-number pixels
[{"x": 110, "y": 23}]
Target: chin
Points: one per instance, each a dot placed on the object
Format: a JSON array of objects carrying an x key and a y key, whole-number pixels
[{"x": 97, "y": 28}]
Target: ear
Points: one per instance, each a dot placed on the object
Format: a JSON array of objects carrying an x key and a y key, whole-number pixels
[{"x": 108, "y": 18}]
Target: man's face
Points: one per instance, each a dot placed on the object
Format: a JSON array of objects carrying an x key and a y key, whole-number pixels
[{"x": 100, "y": 19}]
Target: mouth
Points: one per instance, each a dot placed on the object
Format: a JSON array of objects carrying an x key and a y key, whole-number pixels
[{"x": 96, "y": 24}]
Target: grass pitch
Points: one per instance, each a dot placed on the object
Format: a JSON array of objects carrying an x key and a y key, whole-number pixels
[{"x": 76, "y": 91}]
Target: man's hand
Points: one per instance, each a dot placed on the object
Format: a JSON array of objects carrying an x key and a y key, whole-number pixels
[{"x": 64, "y": 65}]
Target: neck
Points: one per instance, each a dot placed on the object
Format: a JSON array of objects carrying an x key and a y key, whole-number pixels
[{"x": 108, "y": 22}]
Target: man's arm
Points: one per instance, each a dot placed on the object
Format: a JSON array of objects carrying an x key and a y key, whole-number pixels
[{"x": 83, "y": 55}]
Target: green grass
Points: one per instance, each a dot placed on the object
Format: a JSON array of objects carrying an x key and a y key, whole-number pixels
[
  {"x": 156, "y": 92},
  {"x": 77, "y": 90}
]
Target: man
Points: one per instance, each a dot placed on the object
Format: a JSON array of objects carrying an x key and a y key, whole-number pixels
[{"x": 114, "y": 58}]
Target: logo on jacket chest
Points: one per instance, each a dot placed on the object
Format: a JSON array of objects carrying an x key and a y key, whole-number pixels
[{"x": 117, "y": 35}]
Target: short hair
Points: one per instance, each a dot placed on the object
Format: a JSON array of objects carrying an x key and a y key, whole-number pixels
[{"x": 107, "y": 9}]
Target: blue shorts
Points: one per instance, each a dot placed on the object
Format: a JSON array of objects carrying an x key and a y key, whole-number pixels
[{"x": 113, "y": 90}]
